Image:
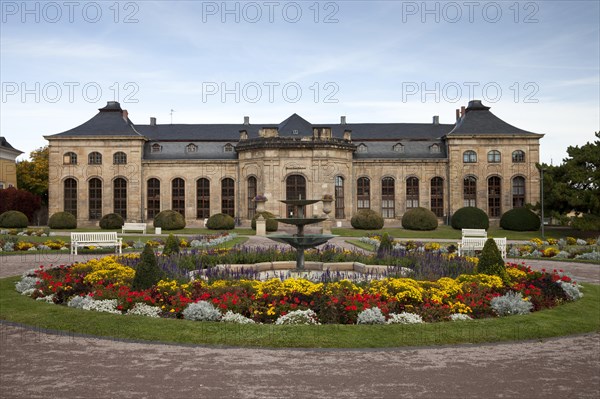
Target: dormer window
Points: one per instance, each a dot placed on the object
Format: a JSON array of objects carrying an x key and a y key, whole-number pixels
[
  {"x": 362, "y": 148},
  {"x": 228, "y": 148},
  {"x": 295, "y": 131},
  {"x": 434, "y": 149},
  {"x": 156, "y": 148},
  {"x": 191, "y": 148},
  {"x": 399, "y": 148}
]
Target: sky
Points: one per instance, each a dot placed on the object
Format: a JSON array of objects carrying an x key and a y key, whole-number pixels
[{"x": 535, "y": 63}]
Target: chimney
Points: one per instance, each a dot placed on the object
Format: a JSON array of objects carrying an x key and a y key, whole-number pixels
[
  {"x": 246, "y": 120},
  {"x": 125, "y": 115},
  {"x": 436, "y": 120},
  {"x": 343, "y": 120},
  {"x": 462, "y": 111},
  {"x": 457, "y": 114},
  {"x": 152, "y": 121}
]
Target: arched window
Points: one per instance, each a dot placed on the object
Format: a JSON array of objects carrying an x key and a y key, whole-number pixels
[
  {"x": 202, "y": 198},
  {"x": 469, "y": 156},
  {"x": 494, "y": 156},
  {"x": 178, "y": 196},
  {"x": 388, "y": 201},
  {"x": 437, "y": 196},
  {"x": 120, "y": 197},
  {"x": 398, "y": 148},
  {"x": 119, "y": 158},
  {"x": 494, "y": 196},
  {"x": 191, "y": 148},
  {"x": 153, "y": 194},
  {"x": 412, "y": 192},
  {"x": 470, "y": 191},
  {"x": 252, "y": 192},
  {"x": 70, "y": 158},
  {"x": 518, "y": 156},
  {"x": 518, "y": 192},
  {"x": 228, "y": 197},
  {"x": 156, "y": 148},
  {"x": 339, "y": 197},
  {"x": 434, "y": 149},
  {"x": 70, "y": 200},
  {"x": 295, "y": 188},
  {"x": 228, "y": 148},
  {"x": 95, "y": 158},
  {"x": 363, "y": 193},
  {"x": 95, "y": 198}
]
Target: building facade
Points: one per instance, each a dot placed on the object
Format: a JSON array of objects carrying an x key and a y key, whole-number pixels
[
  {"x": 109, "y": 164},
  {"x": 8, "y": 166}
]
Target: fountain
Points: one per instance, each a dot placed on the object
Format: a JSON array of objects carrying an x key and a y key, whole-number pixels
[{"x": 301, "y": 241}]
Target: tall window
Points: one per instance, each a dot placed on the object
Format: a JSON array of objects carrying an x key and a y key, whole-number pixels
[
  {"x": 469, "y": 157},
  {"x": 494, "y": 194},
  {"x": 295, "y": 188},
  {"x": 120, "y": 197},
  {"x": 70, "y": 158},
  {"x": 494, "y": 156},
  {"x": 202, "y": 198},
  {"x": 470, "y": 191},
  {"x": 95, "y": 158},
  {"x": 70, "y": 204},
  {"x": 518, "y": 156},
  {"x": 388, "y": 209},
  {"x": 412, "y": 192},
  {"x": 437, "y": 196},
  {"x": 339, "y": 197},
  {"x": 252, "y": 192},
  {"x": 178, "y": 195},
  {"x": 153, "y": 194},
  {"x": 120, "y": 158},
  {"x": 95, "y": 199},
  {"x": 518, "y": 192},
  {"x": 228, "y": 197},
  {"x": 363, "y": 193}
]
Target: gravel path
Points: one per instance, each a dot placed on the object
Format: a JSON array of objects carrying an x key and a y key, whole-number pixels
[{"x": 36, "y": 364}]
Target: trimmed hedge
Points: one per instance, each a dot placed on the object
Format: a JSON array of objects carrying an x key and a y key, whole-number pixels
[
  {"x": 419, "y": 219},
  {"x": 470, "y": 217},
  {"x": 491, "y": 262},
  {"x": 272, "y": 224},
  {"x": 220, "y": 221},
  {"x": 367, "y": 219},
  {"x": 13, "y": 219},
  {"x": 111, "y": 221},
  {"x": 520, "y": 219},
  {"x": 147, "y": 272},
  {"x": 62, "y": 220},
  {"x": 169, "y": 220}
]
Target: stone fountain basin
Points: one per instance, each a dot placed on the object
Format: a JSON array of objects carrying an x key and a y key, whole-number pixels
[
  {"x": 300, "y": 221},
  {"x": 304, "y": 242}
]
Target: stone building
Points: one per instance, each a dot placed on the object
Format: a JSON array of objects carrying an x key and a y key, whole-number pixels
[
  {"x": 109, "y": 164},
  {"x": 8, "y": 167}
]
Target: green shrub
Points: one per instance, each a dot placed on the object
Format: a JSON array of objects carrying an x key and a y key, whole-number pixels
[
  {"x": 419, "y": 219},
  {"x": 169, "y": 220},
  {"x": 172, "y": 245},
  {"x": 367, "y": 219},
  {"x": 111, "y": 221},
  {"x": 587, "y": 222},
  {"x": 520, "y": 219},
  {"x": 470, "y": 217},
  {"x": 272, "y": 224},
  {"x": 386, "y": 245},
  {"x": 220, "y": 221},
  {"x": 13, "y": 219},
  {"x": 491, "y": 261},
  {"x": 62, "y": 220},
  {"x": 147, "y": 272}
]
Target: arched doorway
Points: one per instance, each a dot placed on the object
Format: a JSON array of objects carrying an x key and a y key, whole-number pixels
[{"x": 295, "y": 188}]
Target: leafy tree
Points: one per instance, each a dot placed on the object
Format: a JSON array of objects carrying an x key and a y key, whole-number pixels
[
  {"x": 12, "y": 199},
  {"x": 172, "y": 245},
  {"x": 32, "y": 175}
]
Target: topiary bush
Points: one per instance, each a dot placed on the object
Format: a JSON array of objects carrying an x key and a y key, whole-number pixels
[
  {"x": 520, "y": 219},
  {"x": 62, "y": 220},
  {"x": 13, "y": 219},
  {"x": 111, "y": 221},
  {"x": 470, "y": 217},
  {"x": 169, "y": 220},
  {"x": 386, "y": 245},
  {"x": 147, "y": 272},
  {"x": 272, "y": 224},
  {"x": 419, "y": 219},
  {"x": 367, "y": 219},
  {"x": 171, "y": 246},
  {"x": 491, "y": 261},
  {"x": 220, "y": 221}
]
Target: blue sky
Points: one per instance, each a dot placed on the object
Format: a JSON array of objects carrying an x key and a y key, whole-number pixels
[{"x": 536, "y": 63}]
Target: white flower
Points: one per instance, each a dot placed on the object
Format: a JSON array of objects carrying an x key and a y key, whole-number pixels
[
  {"x": 299, "y": 317},
  {"x": 404, "y": 318},
  {"x": 231, "y": 317},
  {"x": 143, "y": 309},
  {"x": 371, "y": 316}
]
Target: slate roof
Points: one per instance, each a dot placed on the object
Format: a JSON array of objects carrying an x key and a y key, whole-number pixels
[
  {"x": 6, "y": 146},
  {"x": 413, "y": 149},
  {"x": 177, "y": 150}
]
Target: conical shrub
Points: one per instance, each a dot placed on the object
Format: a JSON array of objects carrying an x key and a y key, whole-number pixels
[{"x": 147, "y": 272}]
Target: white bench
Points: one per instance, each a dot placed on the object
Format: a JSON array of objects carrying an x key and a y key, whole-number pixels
[
  {"x": 141, "y": 227},
  {"x": 96, "y": 239},
  {"x": 474, "y": 240}
]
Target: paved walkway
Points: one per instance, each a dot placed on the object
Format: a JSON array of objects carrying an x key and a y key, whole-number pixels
[{"x": 36, "y": 364}]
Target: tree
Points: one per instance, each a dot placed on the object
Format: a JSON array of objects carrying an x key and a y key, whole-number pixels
[
  {"x": 32, "y": 175},
  {"x": 12, "y": 199},
  {"x": 147, "y": 272}
]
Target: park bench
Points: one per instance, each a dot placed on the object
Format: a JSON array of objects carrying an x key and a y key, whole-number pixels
[
  {"x": 96, "y": 239},
  {"x": 141, "y": 227},
  {"x": 474, "y": 240}
]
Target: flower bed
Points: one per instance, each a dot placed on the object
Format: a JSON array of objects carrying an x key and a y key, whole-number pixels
[{"x": 564, "y": 248}]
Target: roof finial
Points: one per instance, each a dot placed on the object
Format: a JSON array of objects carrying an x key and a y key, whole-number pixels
[{"x": 172, "y": 110}]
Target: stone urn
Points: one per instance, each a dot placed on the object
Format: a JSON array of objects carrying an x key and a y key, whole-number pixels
[
  {"x": 327, "y": 201},
  {"x": 260, "y": 201}
]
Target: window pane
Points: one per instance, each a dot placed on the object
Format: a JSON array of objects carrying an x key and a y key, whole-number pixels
[
  {"x": 437, "y": 196},
  {"x": 339, "y": 197},
  {"x": 295, "y": 188},
  {"x": 227, "y": 197},
  {"x": 70, "y": 204},
  {"x": 120, "y": 197},
  {"x": 153, "y": 198},
  {"x": 388, "y": 200},
  {"x": 518, "y": 192},
  {"x": 202, "y": 198},
  {"x": 178, "y": 196},
  {"x": 252, "y": 192},
  {"x": 363, "y": 193},
  {"x": 95, "y": 199},
  {"x": 494, "y": 195},
  {"x": 412, "y": 193}
]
